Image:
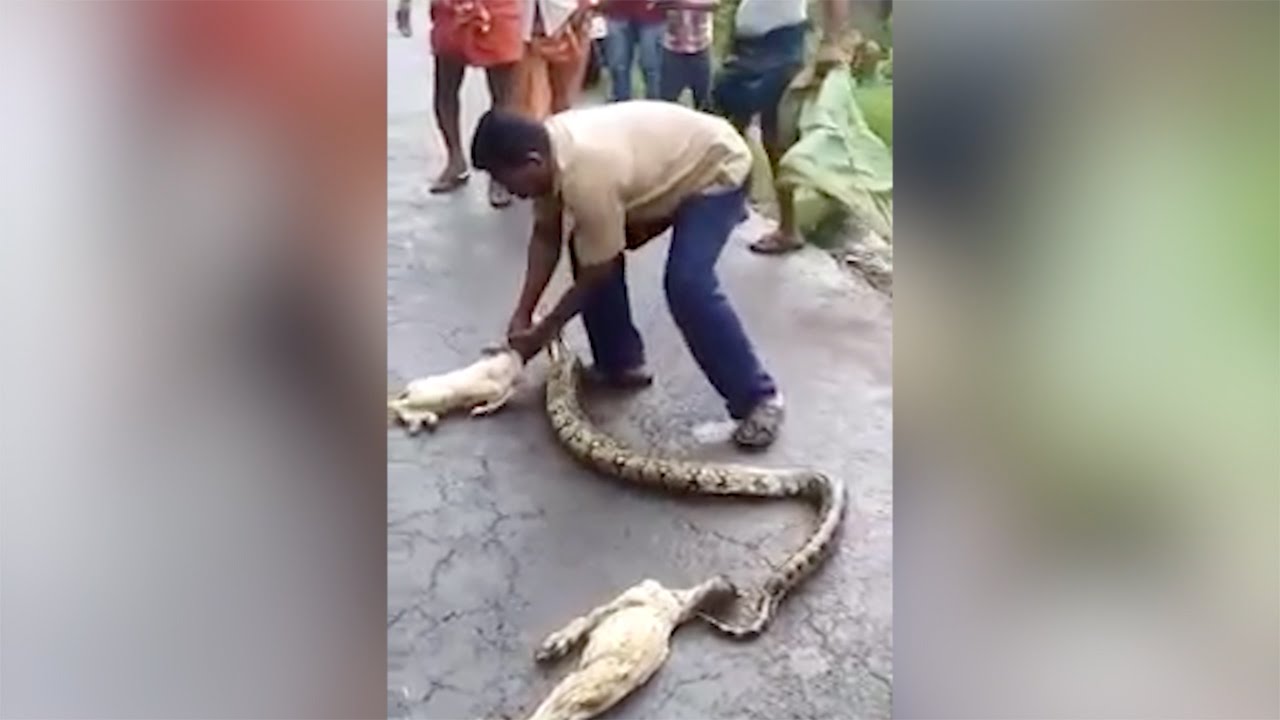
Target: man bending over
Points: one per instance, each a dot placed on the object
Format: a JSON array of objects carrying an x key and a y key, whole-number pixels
[{"x": 621, "y": 174}]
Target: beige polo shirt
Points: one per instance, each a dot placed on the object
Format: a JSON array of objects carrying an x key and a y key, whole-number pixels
[{"x": 636, "y": 161}]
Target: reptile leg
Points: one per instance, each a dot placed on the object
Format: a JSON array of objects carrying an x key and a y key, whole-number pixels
[
  {"x": 559, "y": 643},
  {"x": 493, "y": 405}
]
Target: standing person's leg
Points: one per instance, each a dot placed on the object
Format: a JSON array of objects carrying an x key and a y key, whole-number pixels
[
  {"x": 732, "y": 86},
  {"x": 711, "y": 328},
  {"x": 786, "y": 237},
  {"x": 449, "y": 72},
  {"x": 786, "y": 49},
  {"x": 566, "y": 84},
  {"x": 617, "y": 49},
  {"x": 649, "y": 48},
  {"x": 500, "y": 79},
  {"x": 565, "y": 78},
  {"x": 595, "y": 65},
  {"x": 699, "y": 79},
  {"x": 616, "y": 346},
  {"x": 673, "y": 76},
  {"x": 527, "y": 94}
]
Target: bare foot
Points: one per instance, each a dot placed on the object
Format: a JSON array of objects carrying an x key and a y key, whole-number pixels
[
  {"x": 778, "y": 242},
  {"x": 454, "y": 176}
]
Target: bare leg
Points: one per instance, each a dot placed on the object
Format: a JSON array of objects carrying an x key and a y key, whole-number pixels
[
  {"x": 500, "y": 81},
  {"x": 449, "y": 73},
  {"x": 566, "y": 83},
  {"x": 785, "y": 238}
]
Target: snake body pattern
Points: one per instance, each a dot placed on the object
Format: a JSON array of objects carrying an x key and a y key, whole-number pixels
[{"x": 592, "y": 447}]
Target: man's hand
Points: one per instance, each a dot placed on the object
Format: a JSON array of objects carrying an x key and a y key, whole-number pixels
[
  {"x": 530, "y": 341},
  {"x": 832, "y": 52}
]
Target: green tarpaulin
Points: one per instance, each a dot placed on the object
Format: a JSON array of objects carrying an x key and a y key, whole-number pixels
[{"x": 838, "y": 162}]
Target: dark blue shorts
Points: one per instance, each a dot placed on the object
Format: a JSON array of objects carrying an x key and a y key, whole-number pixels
[{"x": 757, "y": 73}]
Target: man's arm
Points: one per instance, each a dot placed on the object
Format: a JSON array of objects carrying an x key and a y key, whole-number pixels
[
  {"x": 600, "y": 219},
  {"x": 571, "y": 301},
  {"x": 589, "y": 276},
  {"x": 835, "y": 20},
  {"x": 544, "y": 255},
  {"x": 530, "y": 341}
]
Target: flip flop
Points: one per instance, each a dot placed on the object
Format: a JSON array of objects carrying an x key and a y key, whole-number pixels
[
  {"x": 445, "y": 185},
  {"x": 769, "y": 245}
]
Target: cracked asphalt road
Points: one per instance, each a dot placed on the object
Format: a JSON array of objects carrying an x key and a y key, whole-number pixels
[{"x": 495, "y": 538}]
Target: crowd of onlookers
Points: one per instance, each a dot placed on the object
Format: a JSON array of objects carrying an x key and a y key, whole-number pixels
[{"x": 537, "y": 54}]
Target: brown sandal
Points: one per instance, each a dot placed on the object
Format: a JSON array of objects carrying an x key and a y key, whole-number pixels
[{"x": 772, "y": 244}]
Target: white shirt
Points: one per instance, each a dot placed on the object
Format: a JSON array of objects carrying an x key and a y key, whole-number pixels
[
  {"x": 757, "y": 17},
  {"x": 555, "y": 13}
]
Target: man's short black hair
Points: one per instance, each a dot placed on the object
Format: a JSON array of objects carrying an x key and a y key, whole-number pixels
[{"x": 504, "y": 139}]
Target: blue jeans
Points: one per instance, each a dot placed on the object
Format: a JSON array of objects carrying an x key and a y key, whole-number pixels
[
  {"x": 626, "y": 36},
  {"x": 710, "y": 327},
  {"x": 687, "y": 70}
]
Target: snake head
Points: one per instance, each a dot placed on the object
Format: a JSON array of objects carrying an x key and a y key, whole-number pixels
[{"x": 718, "y": 593}]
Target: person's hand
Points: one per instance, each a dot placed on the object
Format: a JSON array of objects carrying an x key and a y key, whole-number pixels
[
  {"x": 402, "y": 20},
  {"x": 832, "y": 52},
  {"x": 530, "y": 341}
]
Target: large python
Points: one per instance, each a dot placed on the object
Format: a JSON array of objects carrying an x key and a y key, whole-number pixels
[{"x": 597, "y": 450}]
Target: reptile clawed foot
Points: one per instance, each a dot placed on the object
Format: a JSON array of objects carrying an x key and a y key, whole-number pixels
[{"x": 556, "y": 646}]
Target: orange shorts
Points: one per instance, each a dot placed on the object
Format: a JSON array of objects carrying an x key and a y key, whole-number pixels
[
  {"x": 481, "y": 33},
  {"x": 549, "y": 76}
]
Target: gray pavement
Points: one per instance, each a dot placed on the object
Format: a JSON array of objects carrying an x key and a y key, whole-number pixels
[{"x": 495, "y": 538}]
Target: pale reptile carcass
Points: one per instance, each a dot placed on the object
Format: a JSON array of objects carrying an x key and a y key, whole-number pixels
[
  {"x": 626, "y": 640},
  {"x": 482, "y": 387}
]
